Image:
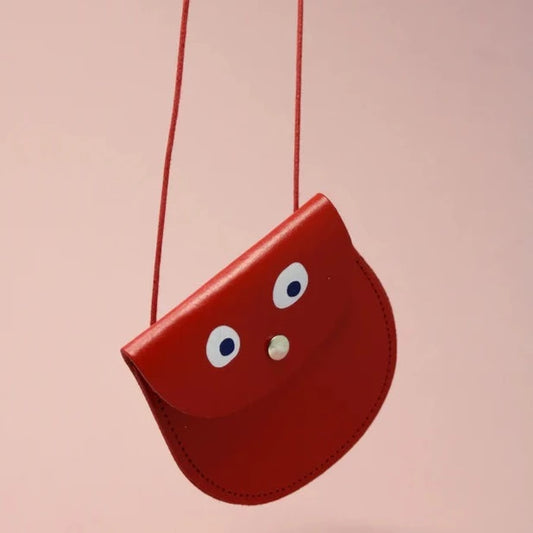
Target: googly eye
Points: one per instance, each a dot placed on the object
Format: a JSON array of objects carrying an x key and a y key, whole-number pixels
[
  {"x": 290, "y": 285},
  {"x": 222, "y": 346}
]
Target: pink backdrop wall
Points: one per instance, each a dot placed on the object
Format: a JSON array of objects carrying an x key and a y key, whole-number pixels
[{"x": 417, "y": 123}]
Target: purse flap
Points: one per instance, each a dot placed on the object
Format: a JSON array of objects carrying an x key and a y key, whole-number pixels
[{"x": 255, "y": 298}]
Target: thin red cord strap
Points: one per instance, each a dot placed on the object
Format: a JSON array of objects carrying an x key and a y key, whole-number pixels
[
  {"x": 172, "y": 132},
  {"x": 298, "y": 104},
  {"x": 168, "y": 157}
]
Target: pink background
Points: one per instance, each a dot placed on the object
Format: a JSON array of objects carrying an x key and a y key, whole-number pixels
[{"x": 417, "y": 123}]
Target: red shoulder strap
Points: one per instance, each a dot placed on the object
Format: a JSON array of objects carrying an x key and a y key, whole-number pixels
[{"x": 172, "y": 132}]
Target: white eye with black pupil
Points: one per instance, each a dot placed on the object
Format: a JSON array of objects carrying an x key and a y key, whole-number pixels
[
  {"x": 222, "y": 346},
  {"x": 290, "y": 285}
]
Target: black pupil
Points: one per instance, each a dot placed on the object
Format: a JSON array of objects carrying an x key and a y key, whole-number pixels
[
  {"x": 227, "y": 346},
  {"x": 294, "y": 288}
]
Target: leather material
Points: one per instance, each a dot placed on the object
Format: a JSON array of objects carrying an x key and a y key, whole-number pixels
[{"x": 257, "y": 429}]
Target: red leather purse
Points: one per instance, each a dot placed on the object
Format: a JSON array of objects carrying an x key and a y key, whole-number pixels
[
  {"x": 249, "y": 420},
  {"x": 270, "y": 372}
]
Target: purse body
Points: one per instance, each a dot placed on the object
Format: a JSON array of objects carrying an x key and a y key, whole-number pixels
[{"x": 257, "y": 429}]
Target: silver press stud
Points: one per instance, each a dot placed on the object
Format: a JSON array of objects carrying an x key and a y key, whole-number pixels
[{"x": 278, "y": 347}]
